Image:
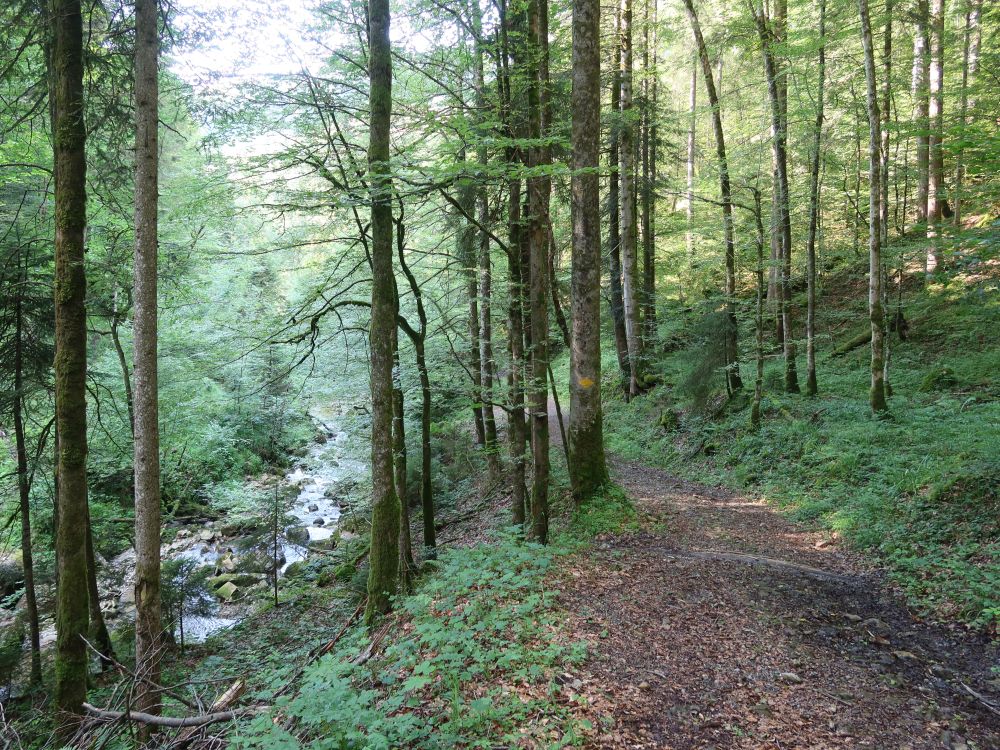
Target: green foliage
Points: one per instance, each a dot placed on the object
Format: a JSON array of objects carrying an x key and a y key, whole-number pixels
[
  {"x": 917, "y": 490},
  {"x": 475, "y": 644}
]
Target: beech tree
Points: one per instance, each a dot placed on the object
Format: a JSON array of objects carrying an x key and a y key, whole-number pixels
[
  {"x": 384, "y": 570},
  {"x": 586, "y": 430}
]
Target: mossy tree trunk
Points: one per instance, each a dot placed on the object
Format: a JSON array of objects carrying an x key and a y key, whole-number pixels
[
  {"x": 384, "y": 554},
  {"x": 24, "y": 479},
  {"x": 69, "y": 136},
  {"x": 588, "y": 469},
  {"x": 539, "y": 190}
]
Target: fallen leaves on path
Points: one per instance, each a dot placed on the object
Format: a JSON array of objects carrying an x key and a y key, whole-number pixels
[{"x": 721, "y": 624}]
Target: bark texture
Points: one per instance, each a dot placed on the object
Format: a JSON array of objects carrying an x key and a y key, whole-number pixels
[
  {"x": 811, "y": 386},
  {"x": 935, "y": 172},
  {"x": 875, "y": 311},
  {"x": 384, "y": 554},
  {"x": 631, "y": 285},
  {"x": 732, "y": 348},
  {"x": 588, "y": 469},
  {"x": 148, "y": 629},
  {"x": 69, "y": 134}
]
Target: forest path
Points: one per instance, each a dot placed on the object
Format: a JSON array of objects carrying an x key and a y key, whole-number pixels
[{"x": 719, "y": 623}]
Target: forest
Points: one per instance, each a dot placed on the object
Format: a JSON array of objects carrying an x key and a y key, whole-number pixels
[{"x": 499, "y": 374}]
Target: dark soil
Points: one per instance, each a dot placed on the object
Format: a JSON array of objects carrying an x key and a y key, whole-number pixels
[{"x": 721, "y": 624}]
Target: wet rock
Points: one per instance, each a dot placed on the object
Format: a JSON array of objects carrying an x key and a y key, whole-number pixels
[
  {"x": 227, "y": 563},
  {"x": 258, "y": 562},
  {"x": 318, "y": 522},
  {"x": 313, "y": 508},
  {"x": 320, "y": 439},
  {"x": 297, "y": 535},
  {"x": 206, "y": 535},
  {"x": 240, "y": 580},
  {"x": 227, "y": 591},
  {"x": 11, "y": 576}
]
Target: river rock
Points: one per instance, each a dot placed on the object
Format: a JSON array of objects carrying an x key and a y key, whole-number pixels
[
  {"x": 240, "y": 580},
  {"x": 227, "y": 563},
  {"x": 297, "y": 535},
  {"x": 11, "y": 576},
  {"x": 227, "y": 591},
  {"x": 313, "y": 508},
  {"x": 258, "y": 562},
  {"x": 206, "y": 535},
  {"x": 318, "y": 522}
]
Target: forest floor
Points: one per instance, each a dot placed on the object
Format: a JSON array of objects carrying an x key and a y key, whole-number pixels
[{"x": 715, "y": 622}]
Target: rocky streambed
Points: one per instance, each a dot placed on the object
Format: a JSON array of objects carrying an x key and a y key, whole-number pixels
[{"x": 221, "y": 567}]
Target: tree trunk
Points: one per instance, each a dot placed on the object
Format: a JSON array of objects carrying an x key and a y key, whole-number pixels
[
  {"x": 617, "y": 304},
  {"x": 758, "y": 391},
  {"x": 921, "y": 72},
  {"x": 692, "y": 132},
  {"x": 406, "y": 564},
  {"x": 970, "y": 66},
  {"x": 780, "y": 154},
  {"x": 648, "y": 237},
  {"x": 626, "y": 173},
  {"x": 516, "y": 429},
  {"x": 148, "y": 622},
  {"x": 24, "y": 481},
  {"x": 886, "y": 112},
  {"x": 99, "y": 634},
  {"x": 417, "y": 338},
  {"x": 935, "y": 181},
  {"x": 588, "y": 469},
  {"x": 539, "y": 188},
  {"x": 811, "y": 385},
  {"x": 123, "y": 366},
  {"x": 467, "y": 258},
  {"x": 69, "y": 135},
  {"x": 384, "y": 554},
  {"x": 733, "y": 380},
  {"x": 486, "y": 359},
  {"x": 876, "y": 313}
]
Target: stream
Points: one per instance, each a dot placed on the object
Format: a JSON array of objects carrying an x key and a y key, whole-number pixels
[{"x": 318, "y": 484}]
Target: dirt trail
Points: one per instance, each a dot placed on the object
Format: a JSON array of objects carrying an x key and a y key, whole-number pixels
[{"x": 720, "y": 624}]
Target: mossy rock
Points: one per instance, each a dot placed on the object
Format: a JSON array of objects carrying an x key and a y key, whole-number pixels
[
  {"x": 938, "y": 379},
  {"x": 240, "y": 580},
  {"x": 295, "y": 570},
  {"x": 227, "y": 591},
  {"x": 669, "y": 420},
  {"x": 11, "y": 577},
  {"x": 650, "y": 380}
]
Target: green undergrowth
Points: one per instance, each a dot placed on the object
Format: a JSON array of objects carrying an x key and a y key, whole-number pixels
[
  {"x": 919, "y": 490},
  {"x": 469, "y": 659}
]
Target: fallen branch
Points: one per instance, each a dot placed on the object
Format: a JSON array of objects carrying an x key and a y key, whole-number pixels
[
  {"x": 174, "y": 722},
  {"x": 221, "y": 705}
]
